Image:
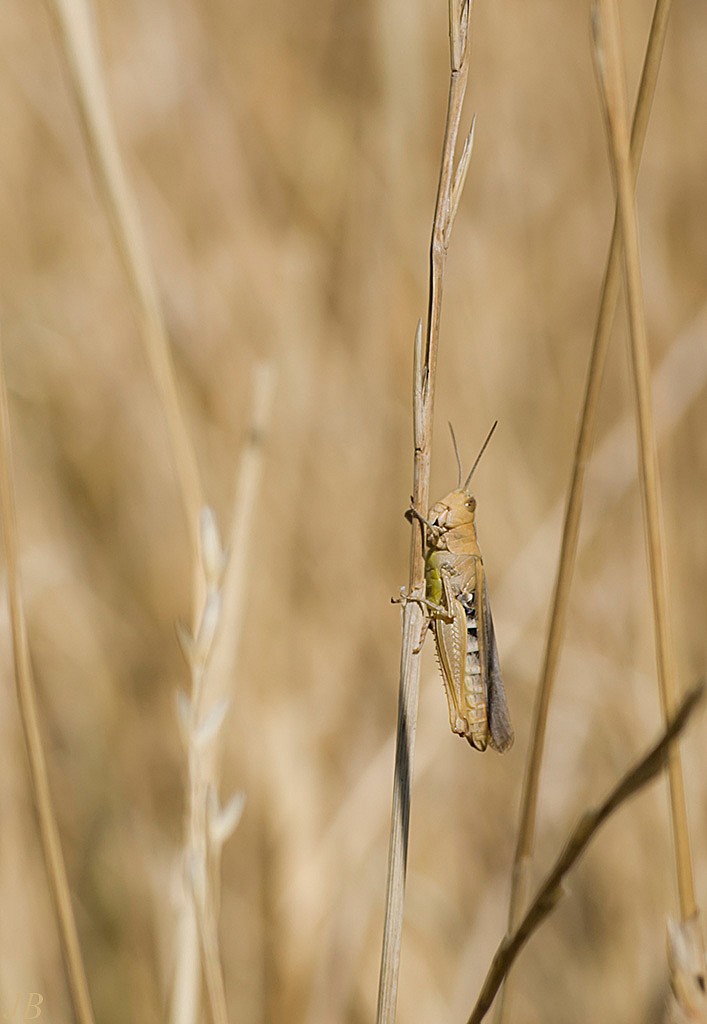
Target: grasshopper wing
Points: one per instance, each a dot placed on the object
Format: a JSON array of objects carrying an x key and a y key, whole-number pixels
[{"x": 499, "y": 719}]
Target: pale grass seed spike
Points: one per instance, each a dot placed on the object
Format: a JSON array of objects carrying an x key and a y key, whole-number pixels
[{"x": 456, "y": 598}]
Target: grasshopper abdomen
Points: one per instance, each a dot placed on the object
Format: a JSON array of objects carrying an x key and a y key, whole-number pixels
[{"x": 476, "y": 731}]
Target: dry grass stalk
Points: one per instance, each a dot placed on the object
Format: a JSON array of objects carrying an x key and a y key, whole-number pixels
[
  {"x": 208, "y": 825},
  {"x": 449, "y": 190},
  {"x": 74, "y": 23},
  {"x": 687, "y": 1003},
  {"x": 570, "y": 531},
  {"x": 29, "y": 717},
  {"x": 550, "y": 891},
  {"x": 247, "y": 490},
  {"x": 609, "y": 62},
  {"x": 202, "y": 714},
  {"x": 206, "y": 821}
]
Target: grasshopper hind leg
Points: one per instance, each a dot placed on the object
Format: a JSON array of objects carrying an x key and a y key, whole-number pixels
[{"x": 450, "y": 647}]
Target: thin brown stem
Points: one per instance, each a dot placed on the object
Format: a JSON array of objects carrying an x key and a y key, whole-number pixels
[
  {"x": 550, "y": 891},
  {"x": 425, "y": 363},
  {"x": 610, "y": 67},
  {"x": 198, "y": 935},
  {"x": 570, "y": 532},
  {"x": 73, "y": 21},
  {"x": 29, "y": 717},
  {"x": 211, "y": 654}
]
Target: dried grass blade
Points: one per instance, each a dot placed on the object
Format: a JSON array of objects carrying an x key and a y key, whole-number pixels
[
  {"x": 29, "y": 717},
  {"x": 613, "y": 88},
  {"x": 425, "y": 365},
  {"x": 550, "y": 890},
  {"x": 76, "y": 32},
  {"x": 570, "y": 532}
]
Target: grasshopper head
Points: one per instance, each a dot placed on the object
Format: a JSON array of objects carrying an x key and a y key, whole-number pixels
[{"x": 455, "y": 509}]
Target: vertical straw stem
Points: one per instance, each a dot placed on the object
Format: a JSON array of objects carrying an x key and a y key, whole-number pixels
[
  {"x": 75, "y": 29},
  {"x": 449, "y": 189},
  {"x": 77, "y": 37},
  {"x": 570, "y": 531},
  {"x": 29, "y": 717},
  {"x": 613, "y": 88}
]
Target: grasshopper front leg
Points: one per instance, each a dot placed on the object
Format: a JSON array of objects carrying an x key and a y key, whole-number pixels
[
  {"x": 437, "y": 611},
  {"x": 430, "y": 611},
  {"x": 412, "y": 513}
]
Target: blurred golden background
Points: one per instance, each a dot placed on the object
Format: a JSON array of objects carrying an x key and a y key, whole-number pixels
[{"x": 285, "y": 159}]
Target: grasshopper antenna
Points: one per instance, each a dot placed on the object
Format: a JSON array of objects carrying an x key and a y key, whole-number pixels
[
  {"x": 456, "y": 452},
  {"x": 478, "y": 457}
]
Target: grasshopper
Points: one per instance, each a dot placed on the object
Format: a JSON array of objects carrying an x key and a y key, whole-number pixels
[{"x": 458, "y": 612}]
